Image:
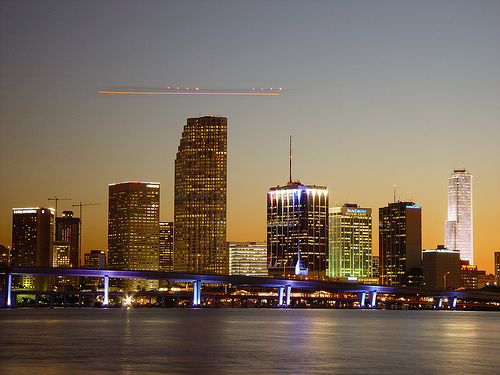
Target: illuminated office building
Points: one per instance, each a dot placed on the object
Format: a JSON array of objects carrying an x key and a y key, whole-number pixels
[
  {"x": 400, "y": 244},
  {"x": 166, "y": 246},
  {"x": 297, "y": 230},
  {"x": 96, "y": 259},
  {"x": 247, "y": 258},
  {"x": 458, "y": 228},
  {"x": 32, "y": 241},
  {"x": 61, "y": 259},
  {"x": 469, "y": 276},
  {"x": 68, "y": 230},
  {"x": 350, "y": 241},
  {"x": 133, "y": 230},
  {"x": 497, "y": 267},
  {"x": 61, "y": 254},
  {"x": 200, "y": 197},
  {"x": 375, "y": 266}
]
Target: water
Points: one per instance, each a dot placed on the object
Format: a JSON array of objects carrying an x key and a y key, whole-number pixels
[{"x": 247, "y": 341}]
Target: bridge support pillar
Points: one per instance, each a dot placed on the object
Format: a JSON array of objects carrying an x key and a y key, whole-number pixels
[
  {"x": 288, "y": 292},
  {"x": 372, "y": 298},
  {"x": 196, "y": 293},
  {"x": 106, "y": 291},
  {"x": 281, "y": 289},
  {"x": 438, "y": 302},
  {"x": 361, "y": 299},
  {"x": 452, "y": 302},
  {"x": 8, "y": 290}
]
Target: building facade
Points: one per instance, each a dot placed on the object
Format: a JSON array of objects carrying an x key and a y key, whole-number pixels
[
  {"x": 133, "y": 230},
  {"x": 441, "y": 268},
  {"x": 247, "y": 258},
  {"x": 400, "y": 244},
  {"x": 469, "y": 276},
  {"x": 297, "y": 230},
  {"x": 200, "y": 197},
  {"x": 32, "y": 244},
  {"x": 350, "y": 241},
  {"x": 166, "y": 246},
  {"x": 497, "y": 267},
  {"x": 458, "y": 233},
  {"x": 96, "y": 259},
  {"x": 68, "y": 230}
]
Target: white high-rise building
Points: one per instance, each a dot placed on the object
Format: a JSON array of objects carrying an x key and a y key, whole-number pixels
[{"x": 458, "y": 228}]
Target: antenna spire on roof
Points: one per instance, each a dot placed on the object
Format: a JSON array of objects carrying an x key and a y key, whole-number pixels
[{"x": 290, "y": 157}]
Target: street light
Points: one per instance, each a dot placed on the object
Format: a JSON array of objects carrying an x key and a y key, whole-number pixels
[{"x": 444, "y": 279}]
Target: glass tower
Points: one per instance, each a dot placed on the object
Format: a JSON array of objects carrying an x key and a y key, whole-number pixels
[
  {"x": 350, "y": 244},
  {"x": 458, "y": 227},
  {"x": 297, "y": 230},
  {"x": 200, "y": 197},
  {"x": 133, "y": 230}
]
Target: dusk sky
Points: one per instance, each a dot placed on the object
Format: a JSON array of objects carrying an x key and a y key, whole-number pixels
[{"x": 376, "y": 93}]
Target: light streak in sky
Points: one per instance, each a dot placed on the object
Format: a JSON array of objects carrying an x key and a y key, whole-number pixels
[
  {"x": 188, "y": 93},
  {"x": 196, "y": 91}
]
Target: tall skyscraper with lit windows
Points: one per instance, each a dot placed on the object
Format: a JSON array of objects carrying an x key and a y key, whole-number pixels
[
  {"x": 458, "y": 233},
  {"x": 133, "y": 230},
  {"x": 297, "y": 230},
  {"x": 32, "y": 244},
  {"x": 68, "y": 230},
  {"x": 400, "y": 244},
  {"x": 200, "y": 197},
  {"x": 350, "y": 242}
]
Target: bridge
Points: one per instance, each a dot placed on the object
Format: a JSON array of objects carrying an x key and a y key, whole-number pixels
[{"x": 282, "y": 285}]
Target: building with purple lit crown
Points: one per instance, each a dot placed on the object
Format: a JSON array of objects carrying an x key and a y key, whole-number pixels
[{"x": 297, "y": 230}]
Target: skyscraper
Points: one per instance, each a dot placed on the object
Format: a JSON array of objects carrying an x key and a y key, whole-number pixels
[
  {"x": 350, "y": 242},
  {"x": 441, "y": 268},
  {"x": 200, "y": 197},
  {"x": 458, "y": 228},
  {"x": 68, "y": 230},
  {"x": 297, "y": 229},
  {"x": 400, "y": 244},
  {"x": 133, "y": 230},
  {"x": 32, "y": 241}
]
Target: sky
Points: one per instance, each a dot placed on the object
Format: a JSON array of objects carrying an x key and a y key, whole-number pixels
[{"x": 375, "y": 93}]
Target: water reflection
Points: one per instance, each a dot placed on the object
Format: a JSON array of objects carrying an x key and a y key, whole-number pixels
[{"x": 232, "y": 341}]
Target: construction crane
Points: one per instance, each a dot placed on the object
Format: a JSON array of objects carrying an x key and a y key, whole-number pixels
[
  {"x": 58, "y": 199},
  {"x": 81, "y": 205}
]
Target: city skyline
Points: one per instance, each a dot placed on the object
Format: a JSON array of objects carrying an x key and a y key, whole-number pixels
[{"x": 376, "y": 94}]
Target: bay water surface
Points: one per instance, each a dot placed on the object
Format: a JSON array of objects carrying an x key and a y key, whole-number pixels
[{"x": 248, "y": 341}]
